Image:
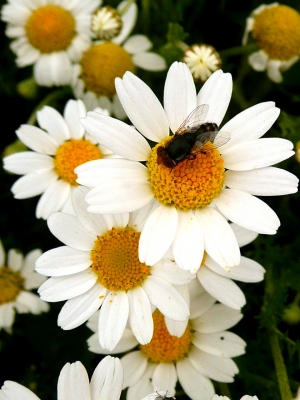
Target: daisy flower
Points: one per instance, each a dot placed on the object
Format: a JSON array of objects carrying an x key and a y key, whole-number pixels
[
  {"x": 95, "y": 73},
  {"x": 202, "y": 353},
  {"x": 17, "y": 279},
  {"x": 99, "y": 267},
  {"x": 59, "y": 146},
  {"x": 202, "y": 60},
  {"x": 196, "y": 197},
  {"x": 73, "y": 383},
  {"x": 49, "y": 35},
  {"x": 276, "y": 29},
  {"x": 218, "y": 282}
]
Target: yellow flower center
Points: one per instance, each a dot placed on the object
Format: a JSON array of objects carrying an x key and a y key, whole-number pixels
[
  {"x": 70, "y": 155},
  {"x": 101, "y": 64},
  {"x": 277, "y": 32},
  {"x": 50, "y": 28},
  {"x": 163, "y": 347},
  {"x": 11, "y": 284},
  {"x": 193, "y": 183},
  {"x": 116, "y": 262}
]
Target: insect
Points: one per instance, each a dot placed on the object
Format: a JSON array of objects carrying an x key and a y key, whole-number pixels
[
  {"x": 164, "y": 397},
  {"x": 190, "y": 137}
]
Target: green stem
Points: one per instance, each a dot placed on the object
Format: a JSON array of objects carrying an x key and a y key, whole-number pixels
[{"x": 238, "y": 50}]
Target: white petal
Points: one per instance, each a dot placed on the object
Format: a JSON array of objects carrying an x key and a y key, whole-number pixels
[
  {"x": 107, "y": 379},
  {"x": 53, "y": 199},
  {"x": 168, "y": 270},
  {"x": 113, "y": 318},
  {"x": 149, "y": 61},
  {"x": 142, "y": 107},
  {"x": 221, "y": 344},
  {"x": 247, "y": 211},
  {"x": 33, "y": 184},
  {"x": 76, "y": 311},
  {"x": 223, "y": 289},
  {"x": 268, "y": 181},
  {"x": 27, "y": 162},
  {"x": 165, "y": 377},
  {"x": 188, "y": 244},
  {"x": 53, "y": 122},
  {"x": 257, "y": 153},
  {"x": 134, "y": 365},
  {"x": 74, "y": 110},
  {"x": 73, "y": 381},
  {"x": 117, "y": 136},
  {"x": 258, "y": 60},
  {"x": 216, "y": 92},
  {"x": 166, "y": 298},
  {"x": 119, "y": 196},
  {"x": 179, "y": 94},
  {"x": 67, "y": 287},
  {"x": 250, "y": 124},
  {"x": 194, "y": 384},
  {"x": 69, "y": 230},
  {"x": 14, "y": 391},
  {"x": 62, "y": 261},
  {"x": 243, "y": 236},
  {"x": 219, "y": 240},
  {"x": 37, "y": 139},
  {"x": 216, "y": 319},
  {"x": 137, "y": 44},
  {"x": 140, "y": 315}
]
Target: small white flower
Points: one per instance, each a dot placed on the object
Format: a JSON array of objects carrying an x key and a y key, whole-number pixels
[
  {"x": 59, "y": 146},
  {"x": 99, "y": 268},
  {"x": 73, "y": 383},
  {"x": 106, "y": 23},
  {"x": 49, "y": 35},
  {"x": 202, "y": 60},
  {"x": 275, "y": 28},
  {"x": 17, "y": 279},
  {"x": 197, "y": 197}
]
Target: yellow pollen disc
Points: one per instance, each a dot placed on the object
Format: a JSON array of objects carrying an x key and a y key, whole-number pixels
[
  {"x": 101, "y": 64},
  {"x": 165, "y": 348},
  {"x": 50, "y": 28},
  {"x": 193, "y": 183},
  {"x": 116, "y": 262},
  {"x": 71, "y": 154},
  {"x": 11, "y": 284},
  {"x": 277, "y": 32}
]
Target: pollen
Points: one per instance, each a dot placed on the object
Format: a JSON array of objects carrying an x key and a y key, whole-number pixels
[
  {"x": 116, "y": 262},
  {"x": 193, "y": 183},
  {"x": 277, "y": 31},
  {"x": 50, "y": 28},
  {"x": 163, "y": 347},
  {"x": 11, "y": 284},
  {"x": 101, "y": 64},
  {"x": 70, "y": 155}
]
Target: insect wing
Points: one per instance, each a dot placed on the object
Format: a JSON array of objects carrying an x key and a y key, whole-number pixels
[
  {"x": 215, "y": 137},
  {"x": 194, "y": 119}
]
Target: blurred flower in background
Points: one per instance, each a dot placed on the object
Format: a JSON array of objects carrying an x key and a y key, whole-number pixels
[
  {"x": 276, "y": 29},
  {"x": 49, "y": 35},
  {"x": 17, "y": 279}
]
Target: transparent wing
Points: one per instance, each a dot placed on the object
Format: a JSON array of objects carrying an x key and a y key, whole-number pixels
[
  {"x": 194, "y": 119},
  {"x": 215, "y": 137}
]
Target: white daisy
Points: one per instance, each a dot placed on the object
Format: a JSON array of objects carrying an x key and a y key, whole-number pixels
[
  {"x": 99, "y": 267},
  {"x": 202, "y": 353},
  {"x": 50, "y": 35},
  {"x": 103, "y": 61},
  {"x": 276, "y": 29},
  {"x": 218, "y": 282},
  {"x": 59, "y": 146},
  {"x": 73, "y": 383},
  {"x": 196, "y": 197},
  {"x": 17, "y": 279},
  {"x": 202, "y": 60}
]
